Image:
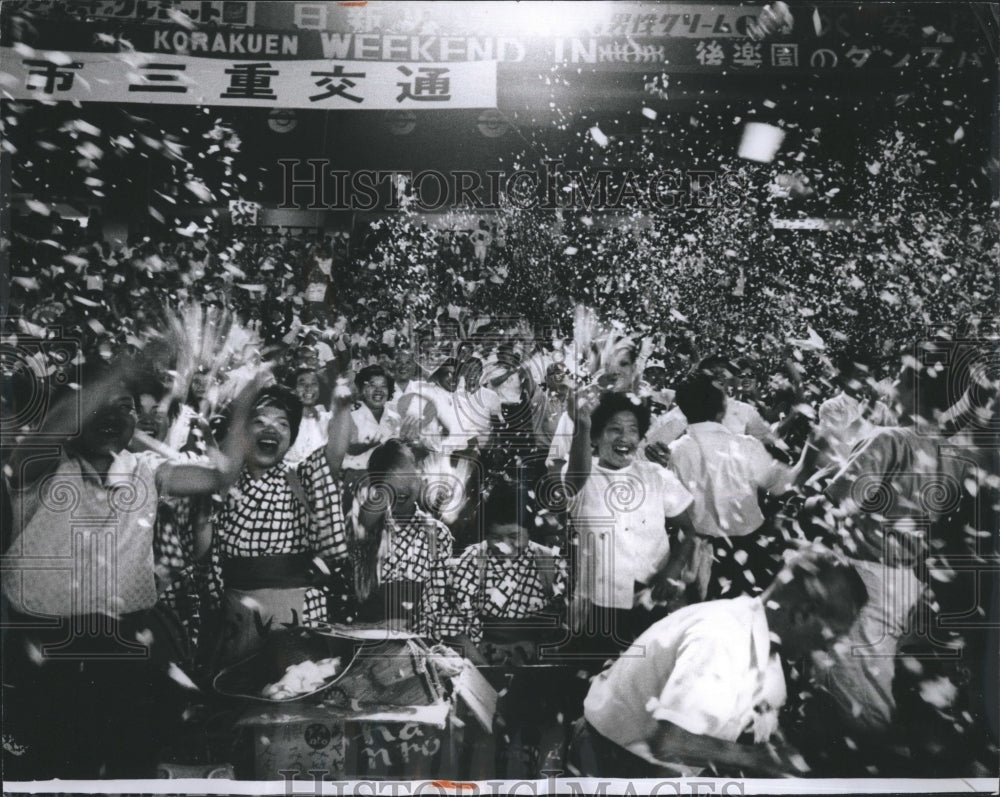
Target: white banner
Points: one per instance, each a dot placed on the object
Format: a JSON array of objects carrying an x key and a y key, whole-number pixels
[{"x": 26, "y": 74}]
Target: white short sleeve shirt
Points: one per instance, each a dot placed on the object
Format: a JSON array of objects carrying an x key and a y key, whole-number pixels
[
  {"x": 724, "y": 471},
  {"x": 86, "y": 545},
  {"x": 621, "y": 516},
  {"x": 707, "y": 668},
  {"x": 371, "y": 431}
]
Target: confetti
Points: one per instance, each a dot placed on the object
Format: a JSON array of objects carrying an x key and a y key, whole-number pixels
[
  {"x": 760, "y": 142},
  {"x": 599, "y": 137}
]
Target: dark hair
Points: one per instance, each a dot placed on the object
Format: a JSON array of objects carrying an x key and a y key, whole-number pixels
[
  {"x": 506, "y": 504},
  {"x": 284, "y": 399},
  {"x": 827, "y": 584},
  {"x": 714, "y": 361},
  {"x": 700, "y": 398},
  {"x": 369, "y": 371},
  {"x": 849, "y": 361},
  {"x": 613, "y": 403},
  {"x": 389, "y": 456},
  {"x": 150, "y": 388},
  {"x": 450, "y": 362},
  {"x": 936, "y": 377}
]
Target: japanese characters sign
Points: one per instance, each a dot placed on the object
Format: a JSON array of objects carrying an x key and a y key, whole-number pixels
[
  {"x": 237, "y": 13},
  {"x": 619, "y": 53},
  {"x": 324, "y": 84},
  {"x": 686, "y": 20}
]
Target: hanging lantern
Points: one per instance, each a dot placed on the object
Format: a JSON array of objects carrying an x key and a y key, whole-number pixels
[
  {"x": 492, "y": 124},
  {"x": 401, "y": 123},
  {"x": 281, "y": 120}
]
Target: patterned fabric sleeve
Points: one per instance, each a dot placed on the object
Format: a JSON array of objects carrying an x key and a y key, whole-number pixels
[
  {"x": 327, "y": 531},
  {"x": 445, "y": 541},
  {"x": 449, "y": 606}
]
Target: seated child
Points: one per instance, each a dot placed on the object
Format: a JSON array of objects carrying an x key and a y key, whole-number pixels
[{"x": 502, "y": 595}]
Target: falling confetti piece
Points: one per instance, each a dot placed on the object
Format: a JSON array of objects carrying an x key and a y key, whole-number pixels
[
  {"x": 38, "y": 207},
  {"x": 760, "y": 142},
  {"x": 199, "y": 189},
  {"x": 598, "y": 136},
  {"x": 179, "y": 676}
]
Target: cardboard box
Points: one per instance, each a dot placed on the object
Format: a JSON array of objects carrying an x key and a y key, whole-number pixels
[{"x": 410, "y": 744}]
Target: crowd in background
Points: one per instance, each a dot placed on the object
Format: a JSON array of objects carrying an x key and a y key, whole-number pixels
[{"x": 450, "y": 467}]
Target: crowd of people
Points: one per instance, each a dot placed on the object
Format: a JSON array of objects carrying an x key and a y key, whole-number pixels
[
  {"x": 283, "y": 439},
  {"x": 512, "y": 495}
]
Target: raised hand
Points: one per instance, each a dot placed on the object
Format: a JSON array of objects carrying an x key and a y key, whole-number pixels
[{"x": 658, "y": 453}]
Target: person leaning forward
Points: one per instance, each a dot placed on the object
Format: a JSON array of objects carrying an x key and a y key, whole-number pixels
[{"x": 701, "y": 680}]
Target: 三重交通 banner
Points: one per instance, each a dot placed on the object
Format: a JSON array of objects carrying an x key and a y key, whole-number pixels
[{"x": 184, "y": 80}]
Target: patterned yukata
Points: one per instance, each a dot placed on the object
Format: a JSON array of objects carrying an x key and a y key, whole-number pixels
[
  {"x": 410, "y": 555},
  {"x": 413, "y": 551},
  {"x": 193, "y": 587},
  {"x": 263, "y": 517},
  {"x": 481, "y": 585}
]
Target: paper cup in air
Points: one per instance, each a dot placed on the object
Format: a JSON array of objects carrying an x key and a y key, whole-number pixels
[{"x": 760, "y": 142}]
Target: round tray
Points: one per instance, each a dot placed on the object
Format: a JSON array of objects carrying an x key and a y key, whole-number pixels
[{"x": 283, "y": 648}]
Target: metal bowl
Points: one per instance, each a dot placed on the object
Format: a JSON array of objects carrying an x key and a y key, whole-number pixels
[{"x": 283, "y": 648}]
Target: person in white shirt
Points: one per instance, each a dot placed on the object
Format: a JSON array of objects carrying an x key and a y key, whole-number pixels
[
  {"x": 373, "y": 422},
  {"x": 740, "y": 417},
  {"x": 476, "y": 405},
  {"x": 80, "y": 595},
  {"x": 620, "y": 507},
  {"x": 697, "y": 682},
  {"x": 724, "y": 472},
  {"x": 315, "y": 418},
  {"x": 404, "y": 377},
  {"x": 854, "y": 414}
]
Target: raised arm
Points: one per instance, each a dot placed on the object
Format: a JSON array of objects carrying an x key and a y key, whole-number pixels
[
  {"x": 340, "y": 427},
  {"x": 580, "y": 452},
  {"x": 195, "y": 478}
]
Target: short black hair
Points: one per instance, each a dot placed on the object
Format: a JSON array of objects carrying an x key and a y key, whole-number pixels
[
  {"x": 370, "y": 371},
  {"x": 827, "y": 583},
  {"x": 391, "y": 455},
  {"x": 700, "y": 398},
  {"x": 284, "y": 399},
  {"x": 612, "y": 403},
  {"x": 506, "y": 504},
  {"x": 714, "y": 361}
]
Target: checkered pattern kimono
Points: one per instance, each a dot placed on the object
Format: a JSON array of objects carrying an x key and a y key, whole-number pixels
[
  {"x": 263, "y": 517},
  {"x": 193, "y": 586},
  {"x": 411, "y": 552},
  {"x": 480, "y": 585}
]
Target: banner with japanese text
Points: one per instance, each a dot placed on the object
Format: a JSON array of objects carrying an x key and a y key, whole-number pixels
[
  {"x": 605, "y": 53},
  {"x": 235, "y": 13},
  {"x": 262, "y": 83}
]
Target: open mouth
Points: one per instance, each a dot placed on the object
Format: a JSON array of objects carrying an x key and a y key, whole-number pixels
[
  {"x": 268, "y": 445},
  {"x": 623, "y": 451}
]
